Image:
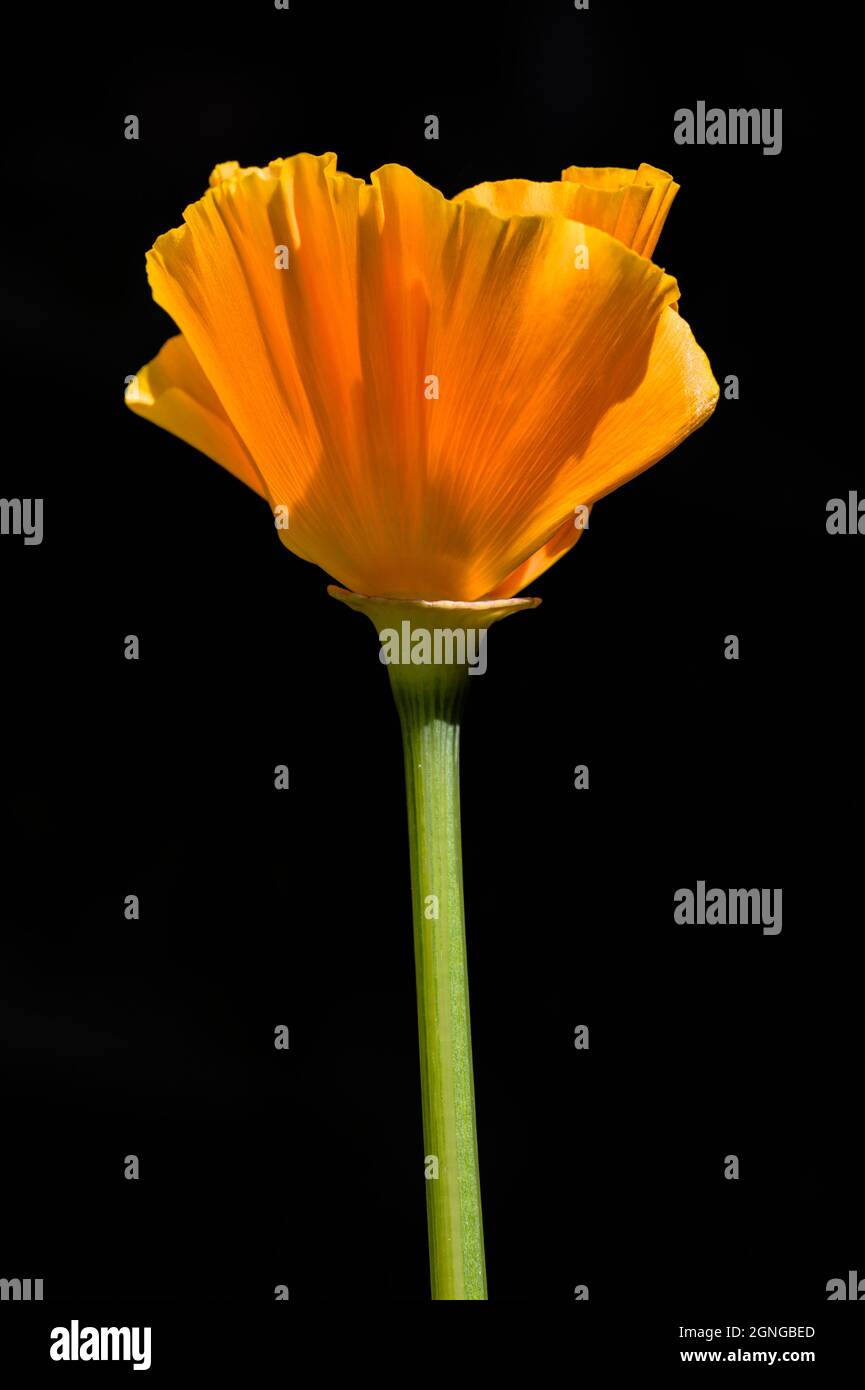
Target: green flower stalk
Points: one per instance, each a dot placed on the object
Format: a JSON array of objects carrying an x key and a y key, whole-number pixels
[{"x": 429, "y": 696}]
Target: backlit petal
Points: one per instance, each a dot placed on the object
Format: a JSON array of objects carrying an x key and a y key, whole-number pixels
[
  {"x": 562, "y": 540},
  {"x": 677, "y": 394},
  {"x": 529, "y": 351},
  {"x": 630, "y": 204},
  {"x": 645, "y": 196},
  {"x": 173, "y": 392}
]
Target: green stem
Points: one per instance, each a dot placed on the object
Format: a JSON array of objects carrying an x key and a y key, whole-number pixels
[
  {"x": 429, "y": 700},
  {"x": 429, "y": 692}
]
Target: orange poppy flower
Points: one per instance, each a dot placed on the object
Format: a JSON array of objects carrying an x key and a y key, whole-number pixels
[{"x": 429, "y": 386}]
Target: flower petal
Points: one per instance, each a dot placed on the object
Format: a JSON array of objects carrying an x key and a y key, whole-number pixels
[
  {"x": 561, "y": 541},
  {"x": 528, "y": 352},
  {"x": 279, "y": 345},
  {"x": 677, "y": 394},
  {"x": 646, "y": 196},
  {"x": 630, "y": 204},
  {"x": 173, "y": 392}
]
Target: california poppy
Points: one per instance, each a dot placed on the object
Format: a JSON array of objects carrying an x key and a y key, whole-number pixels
[
  {"x": 431, "y": 394},
  {"x": 427, "y": 387}
]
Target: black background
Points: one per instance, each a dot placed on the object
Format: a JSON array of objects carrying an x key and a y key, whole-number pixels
[{"x": 155, "y": 777}]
